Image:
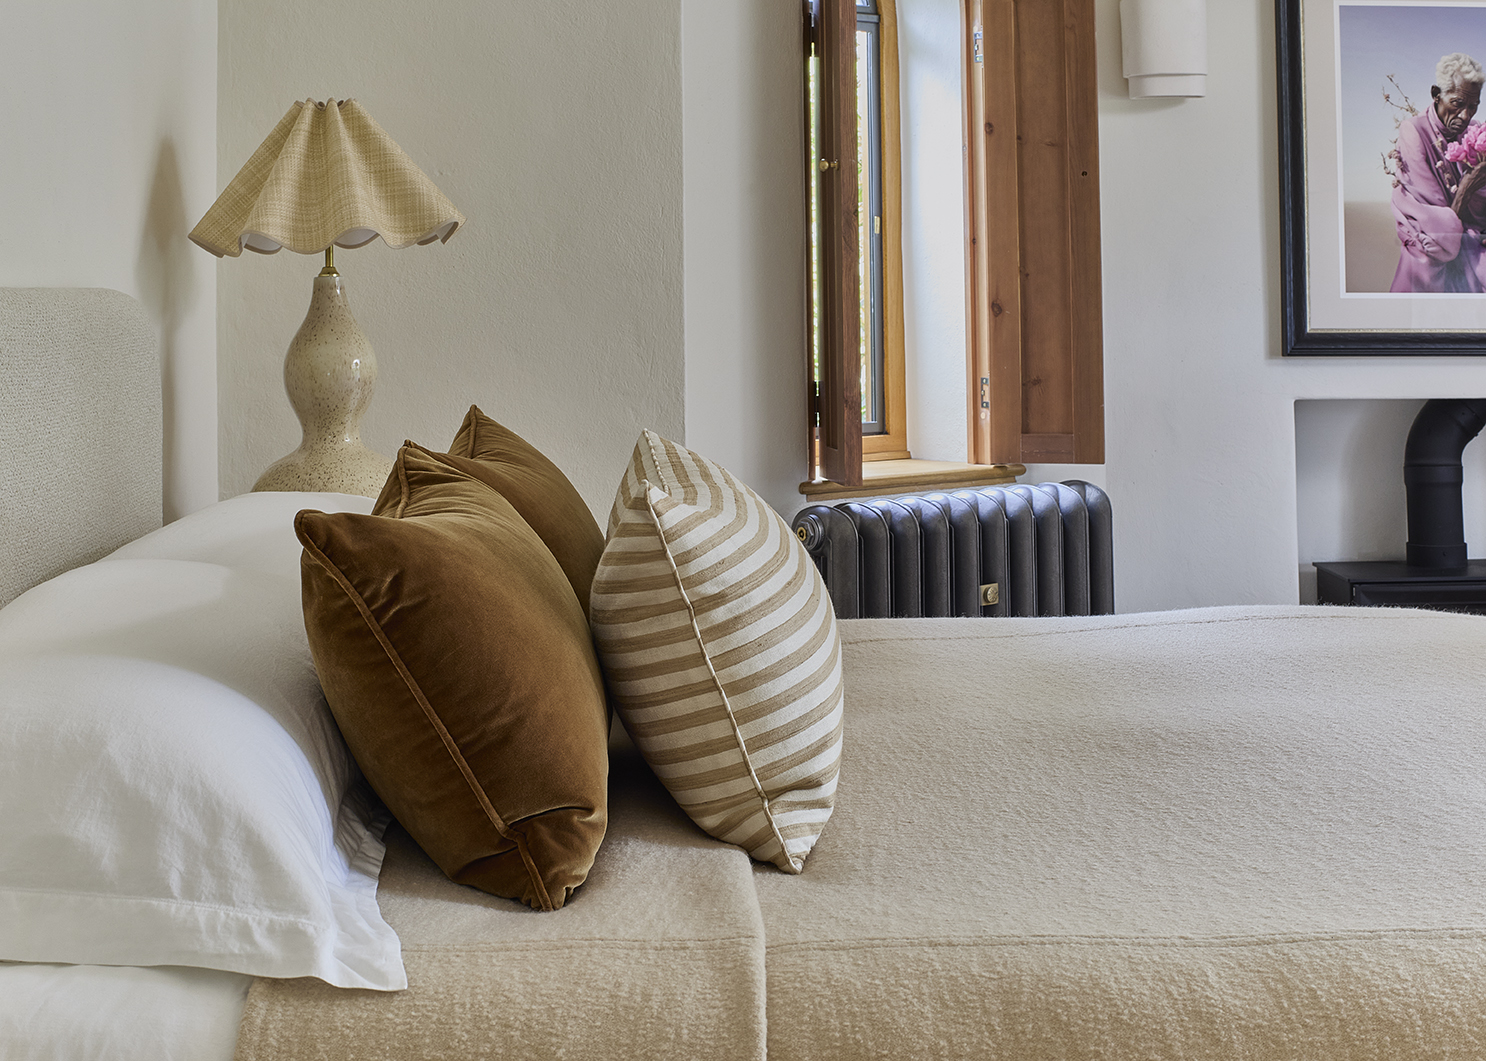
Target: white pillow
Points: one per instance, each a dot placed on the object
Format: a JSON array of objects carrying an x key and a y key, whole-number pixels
[
  {"x": 175, "y": 791},
  {"x": 119, "y": 1013}
]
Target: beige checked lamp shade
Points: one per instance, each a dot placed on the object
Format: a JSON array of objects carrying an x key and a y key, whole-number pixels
[{"x": 327, "y": 176}]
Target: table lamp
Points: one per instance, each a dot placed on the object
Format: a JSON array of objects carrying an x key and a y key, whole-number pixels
[{"x": 327, "y": 176}]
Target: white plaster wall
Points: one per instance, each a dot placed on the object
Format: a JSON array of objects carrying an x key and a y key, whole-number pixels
[
  {"x": 556, "y": 128},
  {"x": 109, "y": 127},
  {"x": 744, "y": 210}
]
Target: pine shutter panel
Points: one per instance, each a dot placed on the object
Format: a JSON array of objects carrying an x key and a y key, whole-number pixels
[{"x": 1035, "y": 353}]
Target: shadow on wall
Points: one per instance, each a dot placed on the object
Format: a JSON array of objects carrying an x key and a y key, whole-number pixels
[
  {"x": 163, "y": 277},
  {"x": 1372, "y": 246}
]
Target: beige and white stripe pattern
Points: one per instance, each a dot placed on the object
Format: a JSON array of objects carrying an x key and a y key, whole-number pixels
[{"x": 719, "y": 644}]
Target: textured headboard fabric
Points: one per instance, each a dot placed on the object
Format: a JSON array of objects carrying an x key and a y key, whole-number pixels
[{"x": 80, "y": 430}]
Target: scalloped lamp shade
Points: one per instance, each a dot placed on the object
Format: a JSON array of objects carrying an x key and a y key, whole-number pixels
[{"x": 327, "y": 174}]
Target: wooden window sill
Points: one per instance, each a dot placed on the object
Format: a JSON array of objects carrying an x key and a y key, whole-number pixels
[{"x": 906, "y": 476}]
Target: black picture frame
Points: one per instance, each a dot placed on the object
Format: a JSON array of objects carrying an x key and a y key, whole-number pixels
[{"x": 1297, "y": 338}]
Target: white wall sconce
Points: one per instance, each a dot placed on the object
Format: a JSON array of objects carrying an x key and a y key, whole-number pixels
[{"x": 1165, "y": 47}]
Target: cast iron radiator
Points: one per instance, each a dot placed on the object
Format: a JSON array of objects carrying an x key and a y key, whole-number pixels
[{"x": 995, "y": 550}]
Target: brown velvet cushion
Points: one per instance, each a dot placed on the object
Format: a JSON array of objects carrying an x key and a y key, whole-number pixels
[
  {"x": 537, "y": 489},
  {"x": 462, "y": 673}
]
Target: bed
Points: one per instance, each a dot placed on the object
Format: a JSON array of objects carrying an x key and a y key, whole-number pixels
[{"x": 1225, "y": 833}]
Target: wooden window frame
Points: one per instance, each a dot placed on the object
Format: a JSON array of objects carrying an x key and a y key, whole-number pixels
[
  {"x": 891, "y": 444},
  {"x": 837, "y": 447}
]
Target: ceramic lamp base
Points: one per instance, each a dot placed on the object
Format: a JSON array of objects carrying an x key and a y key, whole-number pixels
[
  {"x": 330, "y": 373},
  {"x": 339, "y": 470}
]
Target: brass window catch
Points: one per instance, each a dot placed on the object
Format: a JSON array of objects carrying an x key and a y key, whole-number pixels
[
  {"x": 990, "y": 593},
  {"x": 824, "y": 165}
]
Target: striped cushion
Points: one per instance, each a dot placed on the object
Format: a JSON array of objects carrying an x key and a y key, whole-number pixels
[{"x": 719, "y": 644}]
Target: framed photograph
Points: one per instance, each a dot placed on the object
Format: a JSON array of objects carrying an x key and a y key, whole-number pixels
[{"x": 1382, "y": 177}]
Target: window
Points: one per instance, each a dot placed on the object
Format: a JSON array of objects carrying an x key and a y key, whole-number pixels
[
  {"x": 1034, "y": 360},
  {"x": 869, "y": 214},
  {"x": 877, "y": 214}
]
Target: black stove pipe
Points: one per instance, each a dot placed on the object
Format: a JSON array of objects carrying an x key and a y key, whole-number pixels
[{"x": 1432, "y": 479}]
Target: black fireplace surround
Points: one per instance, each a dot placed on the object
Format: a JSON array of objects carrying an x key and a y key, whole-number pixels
[{"x": 1435, "y": 573}]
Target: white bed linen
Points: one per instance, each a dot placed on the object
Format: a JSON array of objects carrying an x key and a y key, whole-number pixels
[
  {"x": 118, "y": 1013},
  {"x": 176, "y": 791},
  {"x": 246, "y": 548},
  {"x": 252, "y": 532}
]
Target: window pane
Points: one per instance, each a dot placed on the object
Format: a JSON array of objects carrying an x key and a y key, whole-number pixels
[
  {"x": 869, "y": 256},
  {"x": 812, "y": 66},
  {"x": 864, "y": 199}
]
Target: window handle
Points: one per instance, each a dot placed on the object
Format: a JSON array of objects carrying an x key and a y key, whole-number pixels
[{"x": 824, "y": 165}]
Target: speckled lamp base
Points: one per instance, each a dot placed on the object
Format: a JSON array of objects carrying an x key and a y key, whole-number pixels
[{"x": 330, "y": 373}]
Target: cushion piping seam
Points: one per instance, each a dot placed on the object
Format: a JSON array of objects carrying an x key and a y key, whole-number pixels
[
  {"x": 716, "y": 681},
  {"x": 402, "y": 481},
  {"x": 505, "y": 831},
  {"x": 474, "y": 421}
]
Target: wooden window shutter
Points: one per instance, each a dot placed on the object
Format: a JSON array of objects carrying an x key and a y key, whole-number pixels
[
  {"x": 839, "y": 404},
  {"x": 1033, "y": 298}
]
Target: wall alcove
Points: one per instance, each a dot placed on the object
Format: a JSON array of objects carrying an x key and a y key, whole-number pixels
[{"x": 1349, "y": 493}]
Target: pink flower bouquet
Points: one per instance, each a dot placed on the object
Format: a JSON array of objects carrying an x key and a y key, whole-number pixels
[{"x": 1471, "y": 147}]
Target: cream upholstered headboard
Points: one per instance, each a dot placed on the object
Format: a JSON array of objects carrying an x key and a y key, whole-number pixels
[{"x": 80, "y": 430}]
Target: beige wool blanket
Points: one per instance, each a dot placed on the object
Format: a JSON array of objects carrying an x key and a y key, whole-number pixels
[
  {"x": 1241, "y": 833},
  {"x": 1247, "y": 834}
]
